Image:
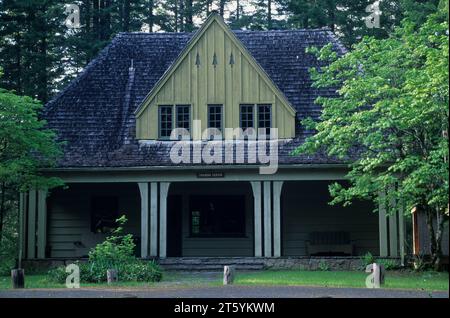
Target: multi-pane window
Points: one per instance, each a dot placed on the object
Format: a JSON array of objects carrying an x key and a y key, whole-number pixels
[
  {"x": 217, "y": 215},
  {"x": 265, "y": 117},
  {"x": 246, "y": 116},
  {"x": 215, "y": 116},
  {"x": 183, "y": 113},
  {"x": 165, "y": 121}
]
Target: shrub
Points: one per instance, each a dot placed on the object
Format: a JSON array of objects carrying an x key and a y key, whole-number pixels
[
  {"x": 323, "y": 266},
  {"x": 367, "y": 259},
  {"x": 116, "y": 252}
]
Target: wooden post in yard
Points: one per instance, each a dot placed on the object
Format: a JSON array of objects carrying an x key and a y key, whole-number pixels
[
  {"x": 376, "y": 278},
  {"x": 228, "y": 275},
  {"x": 112, "y": 276},
  {"x": 18, "y": 278}
]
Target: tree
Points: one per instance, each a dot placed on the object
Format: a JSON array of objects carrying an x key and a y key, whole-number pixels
[
  {"x": 346, "y": 18},
  {"x": 25, "y": 147},
  {"x": 391, "y": 119}
]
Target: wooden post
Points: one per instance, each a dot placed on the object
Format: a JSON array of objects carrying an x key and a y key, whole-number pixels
[
  {"x": 31, "y": 248},
  {"x": 112, "y": 276},
  {"x": 42, "y": 223},
  {"x": 382, "y": 224},
  {"x": 153, "y": 219},
  {"x": 277, "y": 187},
  {"x": 18, "y": 278},
  {"x": 256, "y": 186},
  {"x": 376, "y": 279},
  {"x": 163, "y": 192},
  {"x": 143, "y": 189},
  {"x": 267, "y": 219},
  {"x": 228, "y": 275}
]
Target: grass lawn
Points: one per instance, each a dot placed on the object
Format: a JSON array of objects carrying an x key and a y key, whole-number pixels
[
  {"x": 429, "y": 281},
  {"x": 405, "y": 280}
]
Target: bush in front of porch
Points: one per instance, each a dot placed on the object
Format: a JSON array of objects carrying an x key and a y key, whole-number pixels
[{"x": 116, "y": 252}]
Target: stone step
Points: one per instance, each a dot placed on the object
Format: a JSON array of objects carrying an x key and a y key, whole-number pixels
[
  {"x": 209, "y": 267},
  {"x": 210, "y": 263}
]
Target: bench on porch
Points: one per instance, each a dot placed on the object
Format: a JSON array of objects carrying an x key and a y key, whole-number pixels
[{"x": 329, "y": 244}]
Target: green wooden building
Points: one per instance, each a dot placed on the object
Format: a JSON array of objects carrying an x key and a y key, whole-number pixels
[{"x": 117, "y": 118}]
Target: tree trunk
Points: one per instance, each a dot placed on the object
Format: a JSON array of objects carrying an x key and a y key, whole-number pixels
[
  {"x": 269, "y": 14},
  {"x": 126, "y": 16},
  {"x": 435, "y": 236},
  {"x": 189, "y": 20},
  {"x": 222, "y": 7},
  {"x": 150, "y": 17},
  {"x": 238, "y": 10}
]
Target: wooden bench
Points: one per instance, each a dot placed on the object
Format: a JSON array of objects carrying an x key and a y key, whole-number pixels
[{"x": 329, "y": 244}]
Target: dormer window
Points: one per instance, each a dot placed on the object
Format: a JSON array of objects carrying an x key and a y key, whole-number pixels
[
  {"x": 165, "y": 121},
  {"x": 183, "y": 113},
  {"x": 215, "y": 116},
  {"x": 247, "y": 119},
  {"x": 265, "y": 117}
]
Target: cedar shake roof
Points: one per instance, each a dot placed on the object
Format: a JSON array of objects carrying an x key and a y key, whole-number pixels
[{"x": 94, "y": 115}]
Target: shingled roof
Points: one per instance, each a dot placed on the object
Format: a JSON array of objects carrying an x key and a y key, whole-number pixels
[{"x": 94, "y": 115}]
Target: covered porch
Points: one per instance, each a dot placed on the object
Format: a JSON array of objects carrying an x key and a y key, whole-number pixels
[{"x": 211, "y": 215}]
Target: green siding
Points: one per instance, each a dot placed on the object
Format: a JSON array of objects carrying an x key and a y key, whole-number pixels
[
  {"x": 69, "y": 216},
  {"x": 224, "y": 84},
  {"x": 305, "y": 209}
]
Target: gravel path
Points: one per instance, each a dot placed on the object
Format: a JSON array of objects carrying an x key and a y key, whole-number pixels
[{"x": 222, "y": 292}]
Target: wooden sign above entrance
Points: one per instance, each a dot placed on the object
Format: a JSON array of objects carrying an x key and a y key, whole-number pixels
[{"x": 210, "y": 174}]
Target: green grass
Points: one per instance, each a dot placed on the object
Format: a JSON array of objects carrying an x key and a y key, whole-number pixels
[
  {"x": 405, "y": 280},
  {"x": 428, "y": 281}
]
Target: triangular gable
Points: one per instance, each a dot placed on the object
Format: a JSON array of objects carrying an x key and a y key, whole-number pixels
[{"x": 217, "y": 20}]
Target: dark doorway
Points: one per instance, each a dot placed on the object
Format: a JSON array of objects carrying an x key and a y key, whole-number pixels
[{"x": 174, "y": 221}]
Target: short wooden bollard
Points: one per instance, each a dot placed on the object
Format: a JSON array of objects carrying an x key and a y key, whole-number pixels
[
  {"x": 112, "y": 276},
  {"x": 376, "y": 278},
  {"x": 18, "y": 278},
  {"x": 228, "y": 275}
]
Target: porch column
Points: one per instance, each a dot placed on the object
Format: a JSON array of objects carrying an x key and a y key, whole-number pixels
[
  {"x": 393, "y": 234},
  {"x": 22, "y": 224},
  {"x": 163, "y": 191},
  {"x": 401, "y": 230},
  {"x": 382, "y": 224},
  {"x": 277, "y": 187},
  {"x": 154, "y": 219},
  {"x": 256, "y": 186},
  {"x": 143, "y": 189},
  {"x": 31, "y": 231},
  {"x": 42, "y": 223},
  {"x": 267, "y": 219},
  {"x": 393, "y": 230}
]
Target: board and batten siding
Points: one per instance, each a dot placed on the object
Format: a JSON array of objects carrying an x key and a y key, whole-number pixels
[
  {"x": 227, "y": 84},
  {"x": 212, "y": 246},
  {"x": 305, "y": 209},
  {"x": 69, "y": 216}
]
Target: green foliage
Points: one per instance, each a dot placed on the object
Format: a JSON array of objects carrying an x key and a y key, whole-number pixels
[
  {"x": 25, "y": 145},
  {"x": 367, "y": 259},
  {"x": 116, "y": 252},
  {"x": 323, "y": 266},
  {"x": 135, "y": 270},
  {"x": 390, "y": 120},
  {"x": 389, "y": 264}
]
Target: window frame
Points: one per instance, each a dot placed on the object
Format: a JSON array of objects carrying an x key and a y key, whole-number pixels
[
  {"x": 209, "y": 106},
  {"x": 225, "y": 235},
  {"x": 178, "y": 106},
  {"x": 270, "y": 117},
  {"x": 160, "y": 136},
  {"x": 242, "y": 105}
]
